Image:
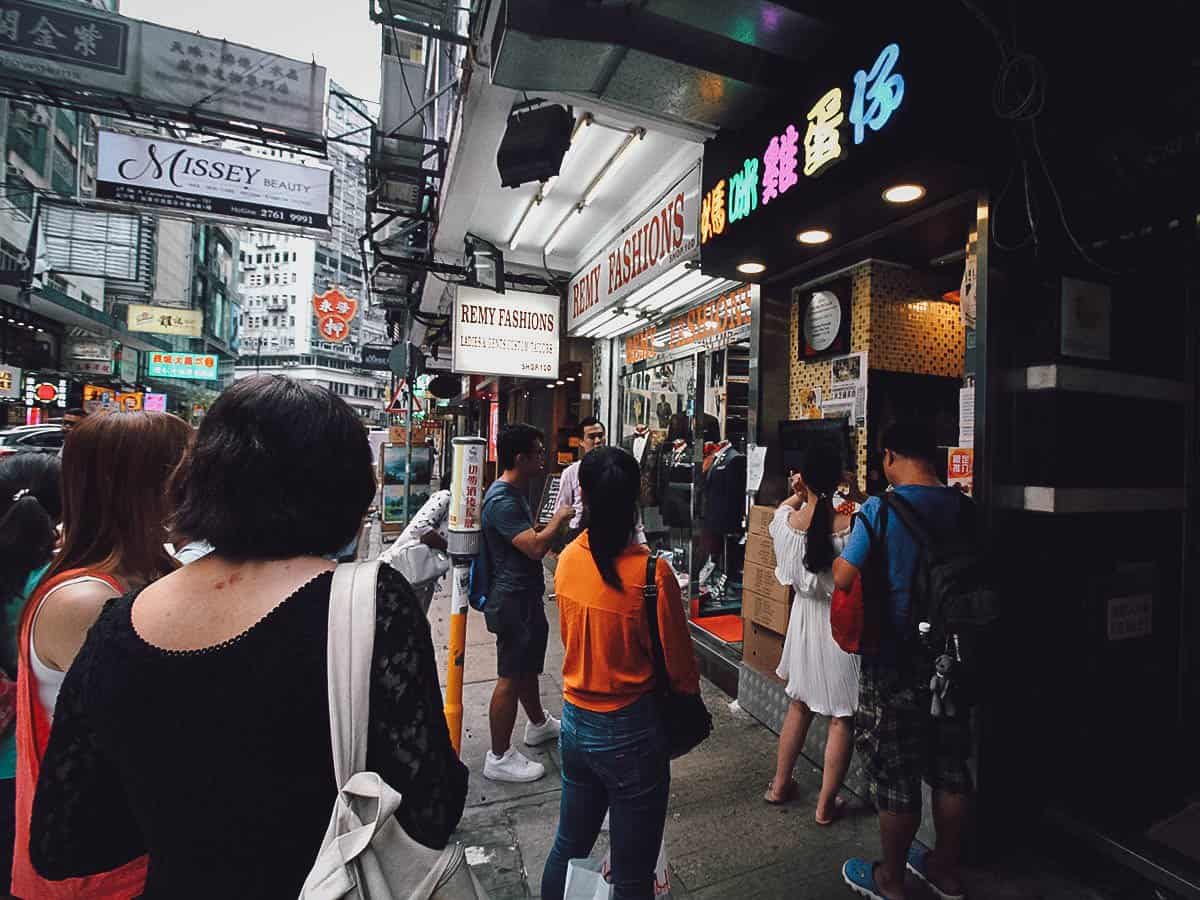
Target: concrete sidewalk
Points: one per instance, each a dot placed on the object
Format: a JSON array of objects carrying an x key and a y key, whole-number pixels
[{"x": 722, "y": 840}]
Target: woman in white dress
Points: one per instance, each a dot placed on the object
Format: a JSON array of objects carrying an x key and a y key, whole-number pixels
[{"x": 821, "y": 678}]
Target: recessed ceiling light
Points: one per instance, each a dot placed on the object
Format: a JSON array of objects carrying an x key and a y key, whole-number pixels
[
  {"x": 814, "y": 236},
  {"x": 570, "y": 378},
  {"x": 560, "y": 381},
  {"x": 904, "y": 193},
  {"x": 550, "y": 385},
  {"x": 751, "y": 268}
]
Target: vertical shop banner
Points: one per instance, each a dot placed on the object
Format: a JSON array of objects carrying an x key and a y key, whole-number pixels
[
  {"x": 960, "y": 469},
  {"x": 152, "y": 172},
  {"x": 493, "y": 429},
  {"x": 514, "y": 333},
  {"x": 334, "y": 312},
  {"x": 128, "y": 64},
  {"x": 661, "y": 238},
  {"x": 10, "y": 383}
]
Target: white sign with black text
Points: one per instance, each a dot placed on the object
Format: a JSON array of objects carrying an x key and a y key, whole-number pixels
[
  {"x": 662, "y": 237},
  {"x": 514, "y": 333},
  {"x": 200, "y": 180}
]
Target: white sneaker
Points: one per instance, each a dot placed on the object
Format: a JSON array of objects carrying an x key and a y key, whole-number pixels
[
  {"x": 544, "y": 733},
  {"x": 512, "y": 767}
]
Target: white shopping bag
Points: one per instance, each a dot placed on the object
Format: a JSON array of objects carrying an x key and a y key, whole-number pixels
[{"x": 588, "y": 880}]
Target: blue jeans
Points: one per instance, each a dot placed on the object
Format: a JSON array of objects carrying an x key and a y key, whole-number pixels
[{"x": 612, "y": 762}]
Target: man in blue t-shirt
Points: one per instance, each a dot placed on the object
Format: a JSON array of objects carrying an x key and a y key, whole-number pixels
[
  {"x": 515, "y": 611},
  {"x": 899, "y": 740}
]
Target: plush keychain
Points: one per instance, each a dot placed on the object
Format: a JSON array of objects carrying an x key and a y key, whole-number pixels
[{"x": 939, "y": 685}]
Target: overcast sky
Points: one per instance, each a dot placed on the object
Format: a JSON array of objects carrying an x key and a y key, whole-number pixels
[{"x": 337, "y": 32}]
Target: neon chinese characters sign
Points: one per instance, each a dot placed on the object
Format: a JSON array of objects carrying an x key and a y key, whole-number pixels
[{"x": 877, "y": 93}]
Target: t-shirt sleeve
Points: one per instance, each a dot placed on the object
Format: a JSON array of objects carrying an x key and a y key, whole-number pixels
[
  {"x": 858, "y": 545},
  {"x": 508, "y": 518}
]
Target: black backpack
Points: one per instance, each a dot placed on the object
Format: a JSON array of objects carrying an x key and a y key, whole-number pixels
[{"x": 953, "y": 588}]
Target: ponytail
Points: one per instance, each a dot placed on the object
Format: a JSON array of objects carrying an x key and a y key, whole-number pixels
[{"x": 821, "y": 470}]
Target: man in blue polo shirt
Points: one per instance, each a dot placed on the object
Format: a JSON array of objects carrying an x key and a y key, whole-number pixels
[{"x": 897, "y": 737}]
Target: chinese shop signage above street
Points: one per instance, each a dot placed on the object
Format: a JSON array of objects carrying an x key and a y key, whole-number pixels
[
  {"x": 713, "y": 325},
  {"x": 514, "y": 333},
  {"x": 10, "y": 383},
  {"x": 166, "y": 320},
  {"x": 199, "y": 180},
  {"x": 334, "y": 312},
  {"x": 182, "y": 365},
  {"x": 659, "y": 239},
  {"x": 825, "y": 130},
  {"x": 125, "y": 64}
]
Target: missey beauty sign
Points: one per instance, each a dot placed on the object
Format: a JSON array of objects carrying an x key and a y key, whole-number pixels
[{"x": 204, "y": 181}]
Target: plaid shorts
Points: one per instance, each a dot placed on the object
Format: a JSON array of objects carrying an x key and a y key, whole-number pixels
[{"x": 900, "y": 743}]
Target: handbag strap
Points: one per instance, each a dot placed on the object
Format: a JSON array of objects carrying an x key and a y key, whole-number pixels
[
  {"x": 351, "y": 645},
  {"x": 650, "y": 596}
]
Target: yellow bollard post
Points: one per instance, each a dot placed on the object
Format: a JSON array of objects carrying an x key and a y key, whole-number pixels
[{"x": 457, "y": 655}]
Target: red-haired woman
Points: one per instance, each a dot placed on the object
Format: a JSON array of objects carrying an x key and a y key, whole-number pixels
[{"x": 116, "y": 472}]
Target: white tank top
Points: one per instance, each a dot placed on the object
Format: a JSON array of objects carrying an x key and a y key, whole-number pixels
[{"x": 47, "y": 681}]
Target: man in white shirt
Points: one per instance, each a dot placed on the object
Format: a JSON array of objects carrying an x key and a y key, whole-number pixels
[{"x": 591, "y": 435}]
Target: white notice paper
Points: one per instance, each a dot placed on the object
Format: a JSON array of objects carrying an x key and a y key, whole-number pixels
[
  {"x": 756, "y": 467},
  {"x": 966, "y": 417}
]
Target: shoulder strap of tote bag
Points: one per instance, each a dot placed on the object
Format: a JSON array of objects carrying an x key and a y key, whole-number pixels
[
  {"x": 350, "y": 650},
  {"x": 650, "y": 595}
]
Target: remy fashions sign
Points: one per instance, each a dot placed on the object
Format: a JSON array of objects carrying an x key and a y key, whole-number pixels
[
  {"x": 165, "y": 320},
  {"x": 191, "y": 178},
  {"x": 514, "y": 333},
  {"x": 128, "y": 64}
]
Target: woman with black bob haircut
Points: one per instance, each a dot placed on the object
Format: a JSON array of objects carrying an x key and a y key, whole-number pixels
[
  {"x": 196, "y": 715},
  {"x": 614, "y": 749}
]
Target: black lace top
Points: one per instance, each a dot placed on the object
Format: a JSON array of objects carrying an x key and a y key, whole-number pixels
[{"x": 217, "y": 762}]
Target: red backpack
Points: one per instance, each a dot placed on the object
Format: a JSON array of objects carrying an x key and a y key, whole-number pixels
[{"x": 858, "y": 617}]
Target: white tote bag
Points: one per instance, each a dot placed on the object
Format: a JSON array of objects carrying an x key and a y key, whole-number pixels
[
  {"x": 589, "y": 880},
  {"x": 366, "y": 854}
]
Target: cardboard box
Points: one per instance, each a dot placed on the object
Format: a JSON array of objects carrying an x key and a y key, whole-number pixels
[
  {"x": 760, "y": 519},
  {"x": 760, "y": 551},
  {"x": 761, "y": 648},
  {"x": 766, "y": 611},
  {"x": 761, "y": 580}
]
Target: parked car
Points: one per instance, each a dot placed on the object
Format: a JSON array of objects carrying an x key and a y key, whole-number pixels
[{"x": 32, "y": 439}]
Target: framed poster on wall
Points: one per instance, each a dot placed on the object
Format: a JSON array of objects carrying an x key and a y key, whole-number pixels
[{"x": 824, "y": 320}]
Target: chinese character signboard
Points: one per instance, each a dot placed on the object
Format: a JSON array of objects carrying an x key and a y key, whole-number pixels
[
  {"x": 714, "y": 324},
  {"x": 45, "y": 393},
  {"x": 807, "y": 147},
  {"x": 960, "y": 469},
  {"x": 155, "y": 403},
  {"x": 661, "y": 238},
  {"x": 182, "y": 365},
  {"x": 165, "y": 320},
  {"x": 126, "y": 64},
  {"x": 334, "y": 311},
  {"x": 10, "y": 383},
  {"x": 194, "y": 178},
  {"x": 514, "y": 333}
]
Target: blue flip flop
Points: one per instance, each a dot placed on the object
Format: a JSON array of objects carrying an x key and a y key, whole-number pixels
[
  {"x": 859, "y": 875},
  {"x": 918, "y": 863}
]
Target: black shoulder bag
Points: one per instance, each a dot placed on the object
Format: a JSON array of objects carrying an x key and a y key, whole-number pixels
[{"x": 684, "y": 717}]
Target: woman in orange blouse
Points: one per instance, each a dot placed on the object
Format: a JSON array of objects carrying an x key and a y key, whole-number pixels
[{"x": 614, "y": 752}]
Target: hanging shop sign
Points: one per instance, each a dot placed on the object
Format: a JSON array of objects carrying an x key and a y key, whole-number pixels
[
  {"x": 165, "y": 320},
  {"x": 130, "y": 65},
  {"x": 89, "y": 356},
  {"x": 823, "y": 133},
  {"x": 376, "y": 358},
  {"x": 661, "y": 238},
  {"x": 334, "y": 311},
  {"x": 93, "y": 242},
  {"x": 127, "y": 365},
  {"x": 45, "y": 393},
  {"x": 10, "y": 383},
  {"x": 154, "y": 403},
  {"x": 712, "y": 325},
  {"x": 514, "y": 333},
  {"x": 182, "y": 365},
  {"x": 149, "y": 171},
  {"x": 98, "y": 399}
]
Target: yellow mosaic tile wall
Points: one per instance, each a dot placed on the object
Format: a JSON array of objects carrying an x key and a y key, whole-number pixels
[{"x": 901, "y": 325}]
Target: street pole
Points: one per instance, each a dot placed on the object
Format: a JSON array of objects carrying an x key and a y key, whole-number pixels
[
  {"x": 465, "y": 525},
  {"x": 408, "y": 445}
]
